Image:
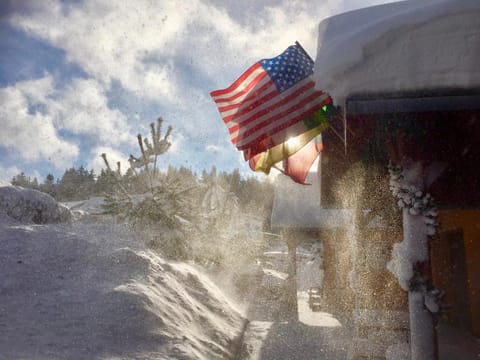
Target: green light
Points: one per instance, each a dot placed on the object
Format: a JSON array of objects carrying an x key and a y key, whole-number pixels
[{"x": 324, "y": 108}]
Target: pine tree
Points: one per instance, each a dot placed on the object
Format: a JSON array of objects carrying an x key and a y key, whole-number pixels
[
  {"x": 235, "y": 182},
  {"x": 23, "y": 181},
  {"x": 49, "y": 186},
  {"x": 157, "y": 204}
]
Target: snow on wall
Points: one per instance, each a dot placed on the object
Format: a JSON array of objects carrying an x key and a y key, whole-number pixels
[
  {"x": 31, "y": 205},
  {"x": 404, "y": 46}
]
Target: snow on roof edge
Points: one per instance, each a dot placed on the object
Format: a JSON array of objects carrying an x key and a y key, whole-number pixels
[{"x": 343, "y": 38}]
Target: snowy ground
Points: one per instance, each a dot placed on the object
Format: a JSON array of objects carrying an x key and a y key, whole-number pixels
[
  {"x": 90, "y": 290},
  {"x": 271, "y": 335}
]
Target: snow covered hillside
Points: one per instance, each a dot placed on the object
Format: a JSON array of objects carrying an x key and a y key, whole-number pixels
[{"x": 90, "y": 290}]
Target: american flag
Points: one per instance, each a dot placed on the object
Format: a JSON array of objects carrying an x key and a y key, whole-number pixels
[{"x": 268, "y": 103}]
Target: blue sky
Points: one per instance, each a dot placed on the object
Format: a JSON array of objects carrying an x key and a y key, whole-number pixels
[{"x": 83, "y": 77}]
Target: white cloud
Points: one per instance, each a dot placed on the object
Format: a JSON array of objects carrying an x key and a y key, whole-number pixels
[
  {"x": 224, "y": 42},
  {"x": 82, "y": 108},
  {"x": 7, "y": 174},
  {"x": 138, "y": 43},
  {"x": 112, "y": 40},
  {"x": 214, "y": 148},
  {"x": 32, "y": 134},
  {"x": 177, "y": 140},
  {"x": 33, "y": 112},
  {"x": 161, "y": 52}
]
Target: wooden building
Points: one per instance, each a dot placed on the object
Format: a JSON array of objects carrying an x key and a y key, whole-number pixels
[{"x": 407, "y": 80}]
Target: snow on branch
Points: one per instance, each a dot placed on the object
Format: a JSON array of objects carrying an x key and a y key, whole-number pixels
[
  {"x": 415, "y": 200},
  {"x": 410, "y": 256}
]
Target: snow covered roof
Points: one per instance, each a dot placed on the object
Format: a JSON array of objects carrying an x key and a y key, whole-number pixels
[
  {"x": 400, "y": 47},
  {"x": 296, "y": 206}
]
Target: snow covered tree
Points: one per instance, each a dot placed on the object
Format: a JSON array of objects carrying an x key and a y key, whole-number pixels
[
  {"x": 25, "y": 181},
  {"x": 157, "y": 204},
  {"x": 76, "y": 184},
  {"x": 48, "y": 186}
]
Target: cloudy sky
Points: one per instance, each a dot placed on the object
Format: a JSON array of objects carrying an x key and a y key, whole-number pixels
[{"x": 83, "y": 77}]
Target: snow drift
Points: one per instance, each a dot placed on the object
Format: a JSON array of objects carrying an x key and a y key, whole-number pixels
[{"x": 90, "y": 290}]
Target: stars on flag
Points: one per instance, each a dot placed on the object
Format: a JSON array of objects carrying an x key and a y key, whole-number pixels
[{"x": 288, "y": 68}]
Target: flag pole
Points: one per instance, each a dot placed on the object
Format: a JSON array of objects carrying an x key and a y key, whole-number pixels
[
  {"x": 344, "y": 117},
  {"x": 281, "y": 170}
]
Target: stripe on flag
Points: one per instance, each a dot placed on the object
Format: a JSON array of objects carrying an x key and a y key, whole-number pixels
[
  {"x": 264, "y": 161},
  {"x": 269, "y": 102}
]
